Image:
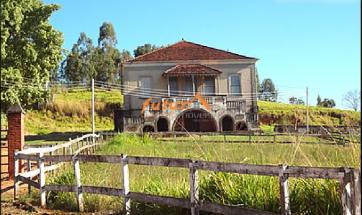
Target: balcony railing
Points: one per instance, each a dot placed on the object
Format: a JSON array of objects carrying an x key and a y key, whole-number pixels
[{"x": 233, "y": 104}]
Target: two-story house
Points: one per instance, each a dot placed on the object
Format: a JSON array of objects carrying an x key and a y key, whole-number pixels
[{"x": 189, "y": 87}]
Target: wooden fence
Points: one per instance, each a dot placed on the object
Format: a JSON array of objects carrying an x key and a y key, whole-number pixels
[
  {"x": 348, "y": 177},
  {"x": 4, "y": 154},
  {"x": 270, "y": 138}
]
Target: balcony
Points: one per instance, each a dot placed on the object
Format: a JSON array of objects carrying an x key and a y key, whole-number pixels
[{"x": 166, "y": 105}]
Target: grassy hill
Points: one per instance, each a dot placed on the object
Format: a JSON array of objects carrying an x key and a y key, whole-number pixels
[
  {"x": 280, "y": 113},
  {"x": 70, "y": 110}
]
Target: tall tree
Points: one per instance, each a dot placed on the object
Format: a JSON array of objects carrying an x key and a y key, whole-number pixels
[
  {"x": 328, "y": 103},
  {"x": 107, "y": 57},
  {"x": 107, "y": 35},
  {"x": 268, "y": 91},
  {"x": 144, "y": 49},
  {"x": 30, "y": 50},
  {"x": 78, "y": 65},
  {"x": 126, "y": 56},
  {"x": 319, "y": 100},
  {"x": 352, "y": 99}
]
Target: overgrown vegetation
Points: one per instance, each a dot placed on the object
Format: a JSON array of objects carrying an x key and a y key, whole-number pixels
[
  {"x": 308, "y": 196},
  {"x": 278, "y": 113},
  {"x": 70, "y": 110}
]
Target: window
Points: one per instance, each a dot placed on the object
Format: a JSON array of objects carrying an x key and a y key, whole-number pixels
[
  {"x": 234, "y": 83},
  {"x": 209, "y": 86},
  {"x": 188, "y": 86},
  {"x": 145, "y": 86},
  {"x": 173, "y": 86}
]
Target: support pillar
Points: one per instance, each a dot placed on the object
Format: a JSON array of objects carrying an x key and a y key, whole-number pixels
[{"x": 16, "y": 138}]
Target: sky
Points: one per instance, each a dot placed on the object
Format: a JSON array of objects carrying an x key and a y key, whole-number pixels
[{"x": 299, "y": 43}]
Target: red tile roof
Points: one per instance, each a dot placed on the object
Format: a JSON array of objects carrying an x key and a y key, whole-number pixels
[
  {"x": 185, "y": 50},
  {"x": 188, "y": 69}
]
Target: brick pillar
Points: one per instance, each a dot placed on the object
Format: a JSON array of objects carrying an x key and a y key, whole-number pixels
[{"x": 15, "y": 135}]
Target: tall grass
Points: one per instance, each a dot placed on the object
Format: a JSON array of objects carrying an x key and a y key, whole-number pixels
[
  {"x": 70, "y": 110},
  {"x": 308, "y": 196},
  {"x": 280, "y": 113}
]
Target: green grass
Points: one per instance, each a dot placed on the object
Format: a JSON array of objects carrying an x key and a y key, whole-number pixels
[
  {"x": 105, "y": 96},
  {"x": 280, "y": 113},
  {"x": 42, "y": 122},
  {"x": 70, "y": 111},
  {"x": 308, "y": 196},
  {"x": 254, "y": 139}
]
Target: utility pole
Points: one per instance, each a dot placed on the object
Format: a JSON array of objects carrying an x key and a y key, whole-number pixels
[
  {"x": 306, "y": 95},
  {"x": 93, "y": 127}
]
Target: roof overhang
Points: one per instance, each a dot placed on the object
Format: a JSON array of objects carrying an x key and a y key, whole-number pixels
[
  {"x": 203, "y": 62},
  {"x": 191, "y": 69}
]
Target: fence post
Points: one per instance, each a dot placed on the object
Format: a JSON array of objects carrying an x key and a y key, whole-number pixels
[
  {"x": 357, "y": 192},
  {"x": 78, "y": 184},
  {"x": 86, "y": 143},
  {"x": 249, "y": 136},
  {"x": 346, "y": 190},
  {"x": 77, "y": 144},
  {"x": 42, "y": 180},
  {"x": 284, "y": 192},
  {"x": 275, "y": 138},
  {"x": 51, "y": 163},
  {"x": 70, "y": 147},
  {"x": 16, "y": 173},
  {"x": 29, "y": 169},
  {"x": 194, "y": 188},
  {"x": 95, "y": 144},
  {"x": 125, "y": 173}
]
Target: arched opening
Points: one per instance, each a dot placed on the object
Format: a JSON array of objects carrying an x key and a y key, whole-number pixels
[
  {"x": 241, "y": 126},
  {"x": 227, "y": 123},
  {"x": 162, "y": 124},
  {"x": 148, "y": 128},
  {"x": 195, "y": 120}
]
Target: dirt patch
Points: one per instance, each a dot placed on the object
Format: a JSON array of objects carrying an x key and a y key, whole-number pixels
[{"x": 15, "y": 208}]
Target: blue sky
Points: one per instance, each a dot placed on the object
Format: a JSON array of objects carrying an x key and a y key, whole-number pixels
[{"x": 314, "y": 43}]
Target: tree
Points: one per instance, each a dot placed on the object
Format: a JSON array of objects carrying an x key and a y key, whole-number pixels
[
  {"x": 106, "y": 64},
  {"x": 30, "y": 51},
  {"x": 78, "y": 65},
  {"x": 85, "y": 61},
  {"x": 107, "y": 57},
  {"x": 126, "y": 56},
  {"x": 319, "y": 100},
  {"x": 328, "y": 103},
  {"x": 352, "y": 99},
  {"x": 295, "y": 101},
  {"x": 107, "y": 35},
  {"x": 144, "y": 49},
  {"x": 268, "y": 91}
]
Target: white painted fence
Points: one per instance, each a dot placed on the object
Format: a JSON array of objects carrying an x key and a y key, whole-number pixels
[{"x": 349, "y": 178}]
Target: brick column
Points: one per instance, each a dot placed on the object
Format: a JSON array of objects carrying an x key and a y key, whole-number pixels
[{"x": 15, "y": 135}]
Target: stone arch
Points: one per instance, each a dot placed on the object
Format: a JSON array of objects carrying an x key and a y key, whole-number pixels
[
  {"x": 195, "y": 120},
  {"x": 148, "y": 128},
  {"x": 227, "y": 123},
  {"x": 162, "y": 124},
  {"x": 242, "y": 126}
]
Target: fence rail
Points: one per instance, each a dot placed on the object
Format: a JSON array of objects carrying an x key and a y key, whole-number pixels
[
  {"x": 270, "y": 138},
  {"x": 348, "y": 177}
]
